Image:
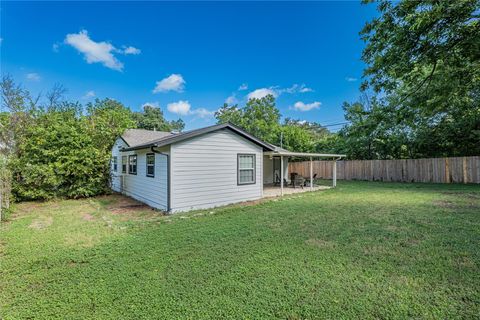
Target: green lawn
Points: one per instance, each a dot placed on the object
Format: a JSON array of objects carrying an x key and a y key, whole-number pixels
[{"x": 363, "y": 250}]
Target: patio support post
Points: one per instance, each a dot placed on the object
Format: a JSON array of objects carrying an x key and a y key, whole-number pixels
[
  {"x": 281, "y": 176},
  {"x": 334, "y": 173},
  {"x": 311, "y": 174}
]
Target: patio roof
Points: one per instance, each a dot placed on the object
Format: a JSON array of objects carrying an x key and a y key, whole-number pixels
[{"x": 286, "y": 153}]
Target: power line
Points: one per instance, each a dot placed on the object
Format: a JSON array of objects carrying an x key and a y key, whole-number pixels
[{"x": 335, "y": 124}]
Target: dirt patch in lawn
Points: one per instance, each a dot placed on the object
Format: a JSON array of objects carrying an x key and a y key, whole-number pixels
[
  {"x": 444, "y": 204},
  {"x": 471, "y": 195},
  {"x": 125, "y": 205},
  {"x": 88, "y": 217},
  {"x": 41, "y": 223},
  {"x": 471, "y": 204},
  {"x": 319, "y": 243}
]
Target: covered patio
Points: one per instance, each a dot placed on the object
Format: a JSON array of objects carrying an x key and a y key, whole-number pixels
[
  {"x": 275, "y": 191},
  {"x": 281, "y": 185}
]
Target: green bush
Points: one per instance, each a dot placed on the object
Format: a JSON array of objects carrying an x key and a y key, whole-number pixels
[{"x": 65, "y": 153}]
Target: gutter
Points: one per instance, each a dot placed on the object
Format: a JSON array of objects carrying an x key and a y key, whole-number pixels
[{"x": 168, "y": 176}]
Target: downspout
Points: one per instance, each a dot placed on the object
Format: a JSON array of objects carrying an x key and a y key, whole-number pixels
[{"x": 168, "y": 175}]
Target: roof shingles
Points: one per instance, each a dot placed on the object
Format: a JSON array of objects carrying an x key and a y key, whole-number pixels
[{"x": 135, "y": 137}]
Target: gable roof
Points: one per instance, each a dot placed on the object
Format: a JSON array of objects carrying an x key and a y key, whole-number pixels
[
  {"x": 135, "y": 137},
  {"x": 173, "y": 138}
]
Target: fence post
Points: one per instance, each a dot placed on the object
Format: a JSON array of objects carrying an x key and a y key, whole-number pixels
[
  {"x": 281, "y": 176},
  {"x": 464, "y": 165},
  {"x": 334, "y": 173},
  {"x": 311, "y": 174}
]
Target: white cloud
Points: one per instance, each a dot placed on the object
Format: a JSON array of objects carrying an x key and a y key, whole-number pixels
[
  {"x": 33, "y": 76},
  {"x": 55, "y": 47},
  {"x": 296, "y": 88},
  {"x": 154, "y": 104},
  {"x": 305, "y": 89},
  {"x": 351, "y": 79},
  {"x": 263, "y": 92},
  {"x": 184, "y": 108},
  {"x": 243, "y": 86},
  {"x": 300, "y": 106},
  {"x": 202, "y": 113},
  {"x": 174, "y": 82},
  {"x": 100, "y": 52},
  {"x": 181, "y": 107},
  {"x": 131, "y": 50},
  {"x": 231, "y": 100},
  {"x": 89, "y": 94},
  {"x": 276, "y": 91}
]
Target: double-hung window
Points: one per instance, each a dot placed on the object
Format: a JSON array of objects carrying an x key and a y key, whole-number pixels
[
  {"x": 150, "y": 165},
  {"x": 132, "y": 164},
  {"x": 245, "y": 169},
  {"x": 124, "y": 164},
  {"x": 115, "y": 164}
]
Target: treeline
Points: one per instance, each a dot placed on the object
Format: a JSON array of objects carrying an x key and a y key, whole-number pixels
[
  {"x": 421, "y": 83},
  {"x": 420, "y": 94}
]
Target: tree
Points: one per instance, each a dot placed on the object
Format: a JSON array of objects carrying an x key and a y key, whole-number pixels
[
  {"x": 151, "y": 118},
  {"x": 416, "y": 48},
  {"x": 18, "y": 106},
  {"x": 259, "y": 117},
  {"x": 58, "y": 148},
  {"x": 423, "y": 62},
  {"x": 107, "y": 119}
]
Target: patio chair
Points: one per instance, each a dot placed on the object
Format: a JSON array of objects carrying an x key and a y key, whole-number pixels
[
  {"x": 277, "y": 181},
  {"x": 307, "y": 180},
  {"x": 298, "y": 181}
]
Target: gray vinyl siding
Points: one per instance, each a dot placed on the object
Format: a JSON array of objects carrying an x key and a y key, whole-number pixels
[
  {"x": 204, "y": 171},
  {"x": 151, "y": 191}
]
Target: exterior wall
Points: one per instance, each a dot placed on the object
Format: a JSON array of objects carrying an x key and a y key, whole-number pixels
[
  {"x": 204, "y": 171},
  {"x": 268, "y": 172},
  {"x": 151, "y": 191}
]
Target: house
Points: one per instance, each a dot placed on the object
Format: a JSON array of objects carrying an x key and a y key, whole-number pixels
[{"x": 203, "y": 168}]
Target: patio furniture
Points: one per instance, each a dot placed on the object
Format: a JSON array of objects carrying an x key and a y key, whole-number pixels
[
  {"x": 277, "y": 181},
  {"x": 298, "y": 181},
  {"x": 307, "y": 180}
]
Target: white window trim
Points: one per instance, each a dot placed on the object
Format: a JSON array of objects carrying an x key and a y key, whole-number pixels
[
  {"x": 253, "y": 169},
  {"x": 150, "y": 165}
]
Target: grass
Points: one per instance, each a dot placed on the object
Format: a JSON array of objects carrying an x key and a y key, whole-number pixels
[{"x": 363, "y": 250}]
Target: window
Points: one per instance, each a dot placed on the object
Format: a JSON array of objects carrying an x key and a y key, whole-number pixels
[
  {"x": 124, "y": 164},
  {"x": 132, "y": 164},
  {"x": 115, "y": 164},
  {"x": 246, "y": 169},
  {"x": 150, "y": 165}
]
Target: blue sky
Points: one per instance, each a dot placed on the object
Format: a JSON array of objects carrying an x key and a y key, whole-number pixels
[{"x": 189, "y": 58}]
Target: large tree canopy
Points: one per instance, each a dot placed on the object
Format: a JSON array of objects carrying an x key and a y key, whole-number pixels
[
  {"x": 262, "y": 118},
  {"x": 259, "y": 117},
  {"x": 60, "y": 148},
  {"x": 151, "y": 118},
  {"x": 423, "y": 63}
]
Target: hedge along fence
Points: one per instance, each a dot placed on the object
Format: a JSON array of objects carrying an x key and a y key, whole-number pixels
[
  {"x": 434, "y": 170},
  {"x": 5, "y": 188}
]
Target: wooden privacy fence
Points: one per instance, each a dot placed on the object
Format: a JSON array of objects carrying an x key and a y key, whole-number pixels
[{"x": 434, "y": 170}]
